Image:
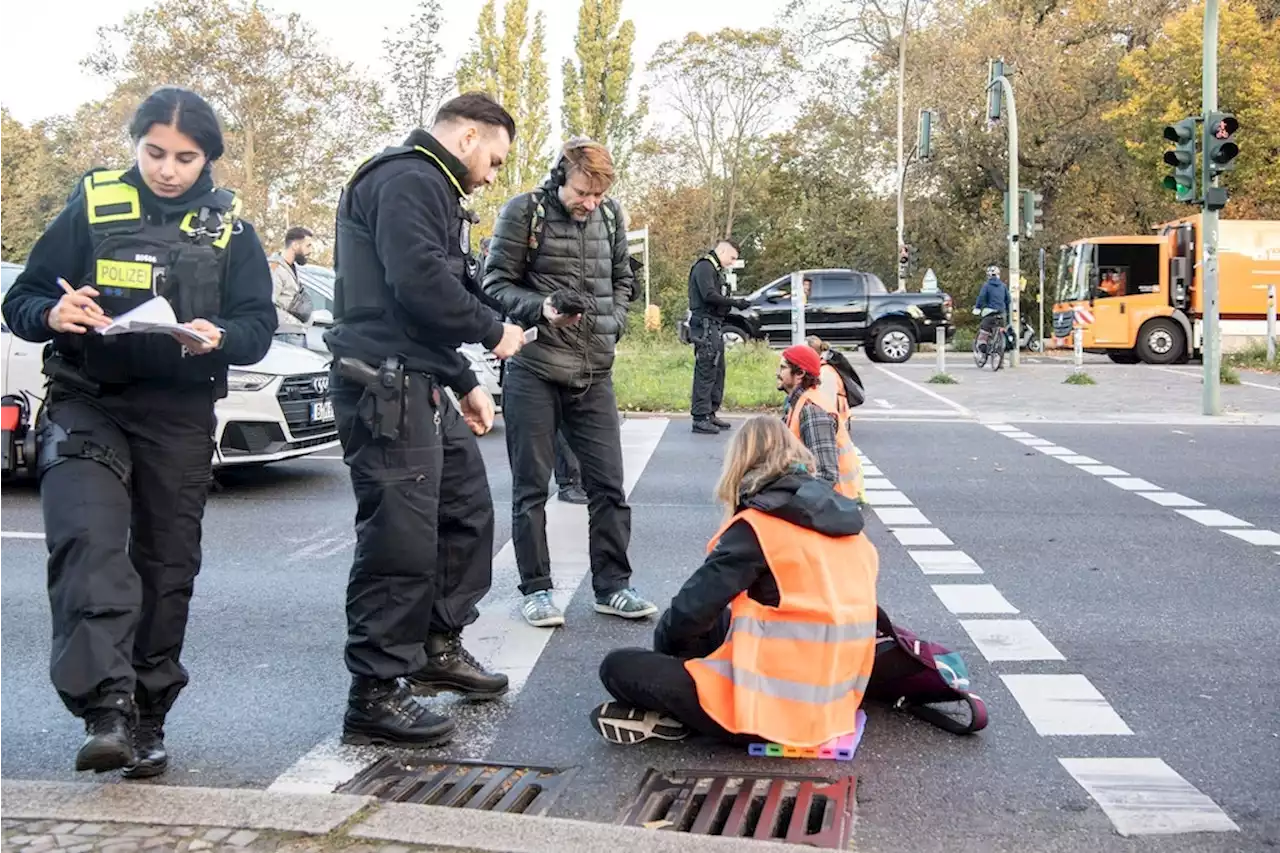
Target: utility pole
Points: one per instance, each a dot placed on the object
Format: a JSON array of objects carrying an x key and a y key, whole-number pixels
[
  {"x": 902, "y": 168},
  {"x": 1015, "y": 290},
  {"x": 1212, "y": 347}
]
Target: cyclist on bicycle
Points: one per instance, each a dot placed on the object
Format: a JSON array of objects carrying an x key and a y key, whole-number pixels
[{"x": 993, "y": 304}]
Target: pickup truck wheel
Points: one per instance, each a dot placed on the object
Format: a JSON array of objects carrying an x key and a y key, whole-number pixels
[
  {"x": 732, "y": 337},
  {"x": 1161, "y": 341},
  {"x": 894, "y": 343}
]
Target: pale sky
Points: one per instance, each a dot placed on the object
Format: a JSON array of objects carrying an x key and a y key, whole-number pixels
[{"x": 40, "y": 72}]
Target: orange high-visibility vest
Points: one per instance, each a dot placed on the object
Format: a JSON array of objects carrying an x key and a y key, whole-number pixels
[
  {"x": 795, "y": 674},
  {"x": 849, "y": 482}
]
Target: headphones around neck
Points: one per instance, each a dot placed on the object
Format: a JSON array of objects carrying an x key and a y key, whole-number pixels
[{"x": 559, "y": 167}]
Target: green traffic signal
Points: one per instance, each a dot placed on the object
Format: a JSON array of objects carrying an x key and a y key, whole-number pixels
[{"x": 1182, "y": 158}]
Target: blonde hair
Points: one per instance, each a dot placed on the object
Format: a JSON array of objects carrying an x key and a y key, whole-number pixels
[
  {"x": 591, "y": 159},
  {"x": 762, "y": 451},
  {"x": 817, "y": 344}
]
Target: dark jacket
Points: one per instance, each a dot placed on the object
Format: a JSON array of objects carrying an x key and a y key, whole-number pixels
[
  {"x": 737, "y": 563},
  {"x": 66, "y": 250},
  {"x": 401, "y": 231},
  {"x": 708, "y": 293},
  {"x": 994, "y": 294},
  {"x": 573, "y": 255}
]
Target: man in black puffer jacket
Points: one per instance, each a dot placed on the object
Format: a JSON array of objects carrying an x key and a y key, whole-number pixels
[{"x": 559, "y": 261}]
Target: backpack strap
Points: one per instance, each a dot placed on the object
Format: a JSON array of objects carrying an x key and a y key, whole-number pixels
[
  {"x": 537, "y": 223},
  {"x": 217, "y": 220}
]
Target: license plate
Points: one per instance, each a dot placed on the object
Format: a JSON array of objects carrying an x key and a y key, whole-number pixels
[{"x": 322, "y": 411}]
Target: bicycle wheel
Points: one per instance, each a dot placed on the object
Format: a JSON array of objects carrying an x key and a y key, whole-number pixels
[
  {"x": 979, "y": 358},
  {"x": 997, "y": 352}
]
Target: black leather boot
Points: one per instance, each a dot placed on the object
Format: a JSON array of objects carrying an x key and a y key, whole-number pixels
[
  {"x": 452, "y": 668},
  {"x": 108, "y": 742},
  {"x": 705, "y": 427},
  {"x": 149, "y": 755},
  {"x": 719, "y": 422},
  {"x": 385, "y": 712}
]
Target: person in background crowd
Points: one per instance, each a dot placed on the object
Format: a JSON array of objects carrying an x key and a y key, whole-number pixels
[
  {"x": 772, "y": 639},
  {"x": 814, "y": 421},
  {"x": 293, "y": 303},
  {"x": 709, "y": 302},
  {"x": 125, "y": 436},
  {"x": 836, "y": 397}
]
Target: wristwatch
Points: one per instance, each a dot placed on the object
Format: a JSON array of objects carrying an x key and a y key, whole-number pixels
[{"x": 222, "y": 337}]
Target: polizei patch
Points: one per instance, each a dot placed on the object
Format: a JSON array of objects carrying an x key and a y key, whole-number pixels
[{"x": 133, "y": 275}]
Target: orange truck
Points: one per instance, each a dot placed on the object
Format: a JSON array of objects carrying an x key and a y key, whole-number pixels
[{"x": 1143, "y": 297}]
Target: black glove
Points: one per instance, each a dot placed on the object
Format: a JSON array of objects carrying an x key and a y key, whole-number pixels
[
  {"x": 741, "y": 304},
  {"x": 569, "y": 302}
]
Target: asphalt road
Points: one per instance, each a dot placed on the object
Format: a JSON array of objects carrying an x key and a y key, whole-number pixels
[{"x": 1170, "y": 619}]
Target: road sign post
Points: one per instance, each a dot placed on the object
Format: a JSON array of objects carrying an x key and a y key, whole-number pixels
[
  {"x": 1040, "y": 330},
  {"x": 1212, "y": 346},
  {"x": 940, "y": 337},
  {"x": 1271, "y": 324},
  {"x": 797, "y": 308},
  {"x": 1078, "y": 343}
]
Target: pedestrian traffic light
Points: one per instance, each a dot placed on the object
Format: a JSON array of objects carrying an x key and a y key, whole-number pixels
[
  {"x": 1032, "y": 213},
  {"x": 913, "y": 258},
  {"x": 926, "y": 125},
  {"x": 1183, "y": 159},
  {"x": 995, "y": 91},
  {"x": 1219, "y": 152}
]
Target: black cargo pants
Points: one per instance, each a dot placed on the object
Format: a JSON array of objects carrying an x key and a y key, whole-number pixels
[
  {"x": 707, "y": 334},
  {"x": 123, "y": 481},
  {"x": 424, "y": 528}
]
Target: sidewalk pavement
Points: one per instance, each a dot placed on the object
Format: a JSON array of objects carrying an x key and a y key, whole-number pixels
[{"x": 121, "y": 817}]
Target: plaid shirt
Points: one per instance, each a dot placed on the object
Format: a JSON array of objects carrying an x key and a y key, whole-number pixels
[{"x": 818, "y": 433}]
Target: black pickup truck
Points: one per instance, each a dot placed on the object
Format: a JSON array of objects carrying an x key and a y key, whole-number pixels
[{"x": 847, "y": 308}]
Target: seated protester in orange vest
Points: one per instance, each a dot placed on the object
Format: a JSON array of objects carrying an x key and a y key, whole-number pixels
[
  {"x": 817, "y": 422},
  {"x": 836, "y": 399},
  {"x": 773, "y": 637}
]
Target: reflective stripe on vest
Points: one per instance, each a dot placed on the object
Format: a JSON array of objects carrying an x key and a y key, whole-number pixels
[
  {"x": 849, "y": 474},
  {"x": 795, "y": 674}
]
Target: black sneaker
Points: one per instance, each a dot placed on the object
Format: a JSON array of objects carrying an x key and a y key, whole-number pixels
[
  {"x": 149, "y": 755},
  {"x": 386, "y": 713},
  {"x": 719, "y": 422},
  {"x": 705, "y": 427},
  {"x": 108, "y": 742},
  {"x": 452, "y": 668},
  {"x": 573, "y": 494},
  {"x": 618, "y": 723}
]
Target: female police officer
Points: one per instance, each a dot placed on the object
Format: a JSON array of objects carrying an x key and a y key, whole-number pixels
[{"x": 126, "y": 432}]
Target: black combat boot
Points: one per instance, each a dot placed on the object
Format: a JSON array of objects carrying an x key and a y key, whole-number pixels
[
  {"x": 719, "y": 422},
  {"x": 452, "y": 668},
  {"x": 705, "y": 426},
  {"x": 385, "y": 712},
  {"x": 108, "y": 742},
  {"x": 149, "y": 755}
]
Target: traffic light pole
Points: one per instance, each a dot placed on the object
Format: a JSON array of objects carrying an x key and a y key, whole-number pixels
[
  {"x": 1015, "y": 291},
  {"x": 1212, "y": 345}
]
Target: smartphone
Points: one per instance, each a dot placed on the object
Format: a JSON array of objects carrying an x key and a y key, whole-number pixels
[{"x": 530, "y": 335}]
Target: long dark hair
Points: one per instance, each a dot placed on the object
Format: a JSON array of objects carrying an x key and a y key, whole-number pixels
[{"x": 184, "y": 109}]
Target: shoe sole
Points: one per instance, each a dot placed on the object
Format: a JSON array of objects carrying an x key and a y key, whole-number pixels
[
  {"x": 636, "y": 614},
  {"x": 145, "y": 771},
  {"x": 625, "y": 726},
  {"x": 103, "y": 760},
  {"x": 358, "y": 738},
  {"x": 435, "y": 688},
  {"x": 546, "y": 622}
]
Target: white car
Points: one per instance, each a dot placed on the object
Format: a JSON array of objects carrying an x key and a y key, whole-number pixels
[
  {"x": 275, "y": 409},
  {"x": 318, "y": 282}
]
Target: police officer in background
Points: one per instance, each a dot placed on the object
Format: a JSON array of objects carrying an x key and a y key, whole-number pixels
[
  {"x": 405, "y": 299},
  {"x": 125, "y": 438},
  {"x": 709, "y": 303}
]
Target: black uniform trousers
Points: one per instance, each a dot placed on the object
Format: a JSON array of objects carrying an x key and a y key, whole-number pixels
[
  {"x": 708, "y": 365},
  {"x": 568, "y": 469},
  {"x": 123, "y": 481},
  {"x": 657, "y": 681},
  {"x": 533, "y": 410},
  {"x": 424, "y": 528}
]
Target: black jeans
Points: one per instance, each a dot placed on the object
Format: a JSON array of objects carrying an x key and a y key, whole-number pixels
[
  {"x": 424, "y": 528},
  {"x": 123, "y": 482},
  {"x": 533, "y": 410},
  {"x": 568, "y": 469},
  {"x": 708, "y": 366},
  {"x": 657, "y": 681}
]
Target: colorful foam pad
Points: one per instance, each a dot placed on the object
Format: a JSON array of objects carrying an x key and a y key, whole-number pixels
[{"x": 837, "y": 749}]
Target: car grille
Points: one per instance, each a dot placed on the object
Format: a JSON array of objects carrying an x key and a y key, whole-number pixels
[{"x": 296, "y": 395}]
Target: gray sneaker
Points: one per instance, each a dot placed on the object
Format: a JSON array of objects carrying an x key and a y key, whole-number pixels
[
  {"x": 540, "y": 611},
  {"x": 626, "y": 603}
]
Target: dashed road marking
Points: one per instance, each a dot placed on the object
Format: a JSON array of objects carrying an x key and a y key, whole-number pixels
[
  {"x": 877, "y": 484},
  {"x": 1103, "y": 470},
  {"x": 1145, "y": 796},
  {"x": 1064, "y": 705},
  {"x": 894, "y": 516},
  {"x": 966, "y": 598},
  {"x": 888, "y": 498},
  {"x": 1132, "y": 484},
  {"x": 1079, "y": 460},
  {"x": 1255, "y": 537},
  {"x": 1169, "y": 499},
  {"x": 1054, "y": 450},
  {"x": 945, "y": 562},
  {"x": 1214, "y": 518},
  {"x": 914, "y": 536},
  {"x": 21, "y": 534},
  {"x": 1010, "y": 639}
]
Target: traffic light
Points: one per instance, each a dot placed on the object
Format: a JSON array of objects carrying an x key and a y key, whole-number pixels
[
  {"x": 1032, "y": 213},
  {"x": 926, "y": 125},
  {"x": 995, "y": 93},
  {"x": 913, "y": 258},
  {"x": 1183, "y": 159},
  {"x": 1219, "y": 152}
]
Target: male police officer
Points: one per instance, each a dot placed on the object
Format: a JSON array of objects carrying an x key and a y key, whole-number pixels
[
  {"x": 709, "y": 304},
  {"x": 403, "y": 303}
]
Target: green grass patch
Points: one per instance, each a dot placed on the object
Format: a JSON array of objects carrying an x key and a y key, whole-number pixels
[
  {"x": 657, "y": 376},
  {"x": 1252, "y": 357},
  {"x": 942, "y": 379},
  {"x": 1227, "y": 374},
  {"x": 1080, "y": 378},
  {"x": 963, "y": 340}
]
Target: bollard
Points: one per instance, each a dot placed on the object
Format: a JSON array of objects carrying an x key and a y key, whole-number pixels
[
  {"x": 941, "y": 338},
  {"x": 1271, "y": 324},
  {"x": 1078, "y": 334}
]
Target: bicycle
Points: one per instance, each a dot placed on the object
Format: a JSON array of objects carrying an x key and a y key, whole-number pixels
[{"x": 988, "y": 348}]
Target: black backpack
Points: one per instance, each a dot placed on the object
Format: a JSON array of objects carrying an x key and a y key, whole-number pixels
[{"x": 852, "y": 382}]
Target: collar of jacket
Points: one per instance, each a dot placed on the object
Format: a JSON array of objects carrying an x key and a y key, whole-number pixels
[
  {"x": 715, "y": 260},
  {"x": 454, "y": 168},
  {"x": 200, "y": 193}
]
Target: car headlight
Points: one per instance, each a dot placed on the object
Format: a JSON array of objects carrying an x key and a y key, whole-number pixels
[{"x": 247, "y": 380}]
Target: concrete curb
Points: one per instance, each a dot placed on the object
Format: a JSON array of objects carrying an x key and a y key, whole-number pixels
[{"x": 353, "y": 817}]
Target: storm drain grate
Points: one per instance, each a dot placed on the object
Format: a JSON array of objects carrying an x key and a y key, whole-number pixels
[
  {"x": 462, "y": 784},
  {"x": 813, "y": 811}
]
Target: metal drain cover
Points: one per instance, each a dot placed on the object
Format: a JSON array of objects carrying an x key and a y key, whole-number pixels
[
  {"x": 814, "y": 811},
  {"x": 462, "y": 784}
]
